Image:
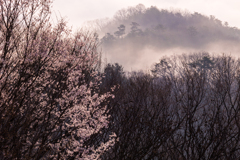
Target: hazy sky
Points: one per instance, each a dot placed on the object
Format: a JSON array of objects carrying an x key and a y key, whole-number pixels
[{"x": 79, "y": 11}]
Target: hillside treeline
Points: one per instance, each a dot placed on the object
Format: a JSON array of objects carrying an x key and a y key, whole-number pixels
[
  {"x": 187, "y": 107},
  {"x": 134, "y": 36},
  {"x": 140, "y": 26}
]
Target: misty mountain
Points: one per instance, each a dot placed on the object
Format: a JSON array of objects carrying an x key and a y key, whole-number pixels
[{"x": 138, "y": 36}]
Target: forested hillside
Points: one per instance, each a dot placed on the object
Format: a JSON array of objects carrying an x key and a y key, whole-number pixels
[{"x": 139, "y": 33}]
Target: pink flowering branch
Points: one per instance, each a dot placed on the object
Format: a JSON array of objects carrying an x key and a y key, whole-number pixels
[{"x": 50, "y": 102}]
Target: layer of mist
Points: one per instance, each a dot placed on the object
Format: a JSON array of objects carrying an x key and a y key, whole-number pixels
[{"x": 137, "y": 37}]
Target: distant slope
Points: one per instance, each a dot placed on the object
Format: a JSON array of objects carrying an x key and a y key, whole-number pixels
[{"x": 137, "y": 32}]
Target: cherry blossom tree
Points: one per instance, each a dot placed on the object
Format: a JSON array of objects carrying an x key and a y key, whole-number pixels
[{"x": 50, "y": 102}]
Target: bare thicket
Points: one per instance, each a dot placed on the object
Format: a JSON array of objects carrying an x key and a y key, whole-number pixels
[{"x": 188, "y": 108}]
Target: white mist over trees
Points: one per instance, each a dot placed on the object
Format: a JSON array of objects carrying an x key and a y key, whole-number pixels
[{"x": 151, "y": 32}]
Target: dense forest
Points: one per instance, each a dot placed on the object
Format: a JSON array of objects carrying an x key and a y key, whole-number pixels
[
  {"x": 59, "y": 101},
  {"x": 187, "y": 107}
]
